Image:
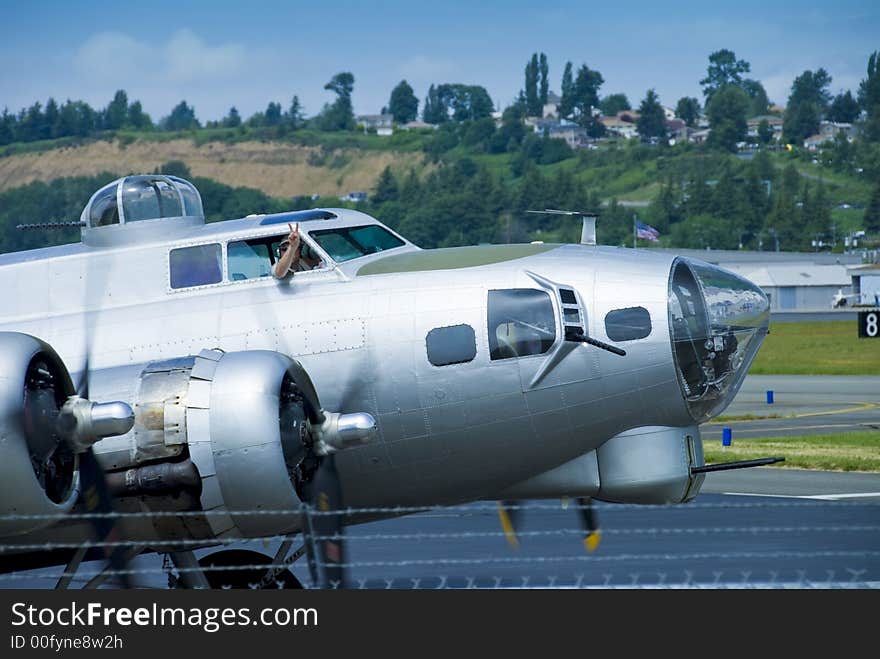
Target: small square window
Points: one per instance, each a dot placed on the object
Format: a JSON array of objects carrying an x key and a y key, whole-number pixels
[{"x": 451, "y": 345}]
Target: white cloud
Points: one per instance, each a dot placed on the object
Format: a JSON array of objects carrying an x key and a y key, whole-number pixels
[
  {"x": 189, "y": 58},
  {"x": 115, "y": 57},
  {"x": 111, "y": 57}
]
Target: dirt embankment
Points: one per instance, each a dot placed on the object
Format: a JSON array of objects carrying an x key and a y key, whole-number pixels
[{"x": 281, "y": 170}]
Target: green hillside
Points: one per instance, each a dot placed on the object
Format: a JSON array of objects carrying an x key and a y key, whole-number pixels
[{"x": 461, "y": 184}]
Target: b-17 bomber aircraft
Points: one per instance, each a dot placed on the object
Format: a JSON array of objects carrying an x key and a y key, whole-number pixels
[{"x": 161, "y": 391}]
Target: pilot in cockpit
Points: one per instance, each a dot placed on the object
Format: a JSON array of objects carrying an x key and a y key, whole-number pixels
[{"x": 295, "y": 256}]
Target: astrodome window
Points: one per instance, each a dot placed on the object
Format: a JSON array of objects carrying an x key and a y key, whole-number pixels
[
  {"x": 147, "y": 198},
  {"x": 192, "y": 200},
  {"x": 102, "y": 209}
]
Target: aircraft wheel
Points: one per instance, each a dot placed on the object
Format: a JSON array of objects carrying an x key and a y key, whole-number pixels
[{"x": 245, "y": 577}]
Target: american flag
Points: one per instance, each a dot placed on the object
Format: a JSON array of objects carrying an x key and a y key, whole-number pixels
[{"x": 646, "y": 232}]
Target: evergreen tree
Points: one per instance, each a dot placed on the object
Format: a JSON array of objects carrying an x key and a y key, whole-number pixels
[
  {"x": 339, "y": 115},
  {"x": 386, "y": 188},
  {"x": 871, "y": 219},
  {"x": 652, "y": 118},
  {"x": 585, "y": 95},
  {"x": 614, "y": 103},
  {"x": 51, "y": 121},
  {"x": 724, "y": 70},
  {"x": 869, "y": 97},
  {"x": 544, "y": 70},
  {"x": 182, "y": 117},
  {"x": 116, "y": 114},
  {"x": 533, "y": 100},
  {"x": 232, "y": 119},
  {"x": 765, "y": 133},
  {"x": 727, "y": 110},
  {"x": 688, "y": 110},
  {"x": 566, "y": 102},
  {"x": 844, "y": 108},
  {"x": 137, "y": 118},
  {"x": 273, "y": 114},
  {"x": 294, "y": 117},
  {"x": 433, "y": 111},
  {"x": 7, "y": 127},
  {"x": 809, "y": 99},
  {"x": 758, "y": 101},
  {"x": 403, "y": 103}
]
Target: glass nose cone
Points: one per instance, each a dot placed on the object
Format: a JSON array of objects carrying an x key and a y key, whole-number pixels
[{"x": 717, "y": 321}]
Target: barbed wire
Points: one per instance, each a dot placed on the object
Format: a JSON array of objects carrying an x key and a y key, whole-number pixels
[
  {"x": 440, "y": 535},
  {"x": 460, "y": 509},
  {"x": 495, "y": 560},
  {"x": 858, "y": 565}
]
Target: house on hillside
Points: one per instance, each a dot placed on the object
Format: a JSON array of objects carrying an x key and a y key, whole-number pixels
[
  {"x": 383, "y": 124},
  {"x": 623, "y": 124},
  {"x": 551, "y": 107},
  {"x": 699, "y": 136},
  {"x": 676, "y": 131},
  {"x": 775, "y": 124},
  {"x": 354, "y": 196},
  {"x": 575, "y": 136},
  {"x": 415, "y": 125}
]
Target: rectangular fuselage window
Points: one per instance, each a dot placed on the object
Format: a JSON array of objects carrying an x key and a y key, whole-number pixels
[
  {"x": 451, "y": 345},
  {"x": 196, "y": 266},
  {"x": 521, "y": 323}
]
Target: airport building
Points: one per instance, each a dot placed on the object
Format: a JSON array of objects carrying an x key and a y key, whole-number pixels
[
  {"x": 797, "y": 281},
  {"x": 865, "y": 284}
]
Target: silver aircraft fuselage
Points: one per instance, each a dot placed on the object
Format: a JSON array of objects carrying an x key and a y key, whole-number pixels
[{"x": 446, "y": 434}]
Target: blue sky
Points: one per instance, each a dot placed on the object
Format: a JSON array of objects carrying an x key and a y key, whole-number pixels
[{"x": 220, "y": 53}]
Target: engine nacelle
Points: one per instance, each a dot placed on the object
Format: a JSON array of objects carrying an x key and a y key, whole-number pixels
[
  {"x": 242, "y": 418},
  {"x": 38, "y": 470}
]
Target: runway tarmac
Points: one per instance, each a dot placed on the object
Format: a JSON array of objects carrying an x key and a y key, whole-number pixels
[
  {"x": 803, "y": 405},
  {"x": 761, "y": 527},
  {"x": 764, "y": 528}
]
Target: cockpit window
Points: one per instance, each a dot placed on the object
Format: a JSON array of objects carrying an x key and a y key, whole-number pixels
[
  {"x": 521, "y": 323},
  {"x": 196, "y": 266},
  {"x": 352, "y": 242},
  {"x": 254, "y": 258},
  {"x": 249, "y": 259}
]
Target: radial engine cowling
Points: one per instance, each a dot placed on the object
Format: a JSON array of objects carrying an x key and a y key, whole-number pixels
[
  {"x": 38, "y": 471},
  {"x": 247, "y": 420}
]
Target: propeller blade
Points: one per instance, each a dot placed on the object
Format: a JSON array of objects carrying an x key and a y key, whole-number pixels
[
  {"x": 508, "y": 515},
  {"x": 592, "y": 534},
  {"x": 96, "y": 499},
  {"x": 326, "y": 495}
]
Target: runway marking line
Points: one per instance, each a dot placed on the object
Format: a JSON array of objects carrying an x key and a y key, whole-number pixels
[
  {"x": 821, "y": 497},
  {"x": 860, "y": 406}
]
